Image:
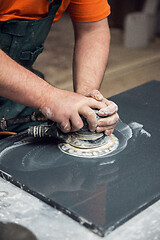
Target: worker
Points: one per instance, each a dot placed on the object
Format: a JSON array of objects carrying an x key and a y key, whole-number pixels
[{"x": 24, "y": 26}]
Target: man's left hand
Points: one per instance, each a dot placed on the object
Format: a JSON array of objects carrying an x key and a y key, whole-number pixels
[{"x": 109, "y": 114}]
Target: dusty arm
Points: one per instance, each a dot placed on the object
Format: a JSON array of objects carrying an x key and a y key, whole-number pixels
[
  {"x": 90, "y": 54},
  {"x": 89, "y": 63},
  {"x": 22, "y": 86}
]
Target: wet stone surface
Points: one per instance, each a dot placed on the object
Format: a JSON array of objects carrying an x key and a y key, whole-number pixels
[{"x": 100, "y": 193}]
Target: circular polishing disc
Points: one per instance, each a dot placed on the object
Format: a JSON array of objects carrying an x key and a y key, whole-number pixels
[{"x": 110, "y": 144}]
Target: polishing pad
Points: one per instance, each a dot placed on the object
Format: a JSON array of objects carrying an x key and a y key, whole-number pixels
[{"x": 107, "y": 145}]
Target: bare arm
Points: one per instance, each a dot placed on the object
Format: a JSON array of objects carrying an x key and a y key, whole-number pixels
[
  {"x": 19, "y": 84},
  {"x": 90, "y": 54},
  {"x": 89, "y": 63},
  {"x": 22, "y": 86}
]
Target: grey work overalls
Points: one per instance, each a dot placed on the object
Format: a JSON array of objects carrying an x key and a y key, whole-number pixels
[{"x": 23, "y": 41}]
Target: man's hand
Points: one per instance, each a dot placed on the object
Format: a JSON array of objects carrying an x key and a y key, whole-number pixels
[
  {"x": 91, "y": 51},
  {"x": 58, "y": 105},
  {"x": 109, "y": 113},
  {"x": 66, "y": 108}
]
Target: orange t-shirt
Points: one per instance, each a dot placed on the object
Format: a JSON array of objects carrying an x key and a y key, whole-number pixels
[{"x": 79, "y": 10}]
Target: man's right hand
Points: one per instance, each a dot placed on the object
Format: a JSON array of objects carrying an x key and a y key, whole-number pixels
[
  {"x": 65, "y": 108},
  {"x": 24, "y": 87}
]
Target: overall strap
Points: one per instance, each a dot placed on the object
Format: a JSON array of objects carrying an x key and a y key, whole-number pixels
[
  {"x": 23, "y": 41},
  {"x": 54, "y": 6}
]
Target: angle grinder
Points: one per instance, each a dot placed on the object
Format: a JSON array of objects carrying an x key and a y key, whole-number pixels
[
  {"x": 82, "y": 143},
  {"x": 85, "y": 143}
]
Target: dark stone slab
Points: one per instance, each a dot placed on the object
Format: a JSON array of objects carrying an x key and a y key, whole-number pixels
[{"x": 100, "y": 193}]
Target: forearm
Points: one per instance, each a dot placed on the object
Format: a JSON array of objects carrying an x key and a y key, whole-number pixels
[
  {"x": 19, "y": 84},
  {"x": 90, "y": 55}
]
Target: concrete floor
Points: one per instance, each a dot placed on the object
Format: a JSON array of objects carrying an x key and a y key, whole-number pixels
[{"x": 126, "y": 68}]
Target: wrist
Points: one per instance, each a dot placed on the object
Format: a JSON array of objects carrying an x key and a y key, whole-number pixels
[
  {"x": 47, "y": 96},
  {"x": 85, "y": 90},
  {"x": 85, "y": 86}
]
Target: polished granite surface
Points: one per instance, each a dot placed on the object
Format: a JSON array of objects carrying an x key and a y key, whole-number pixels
[{"x": 100, "y": 193}]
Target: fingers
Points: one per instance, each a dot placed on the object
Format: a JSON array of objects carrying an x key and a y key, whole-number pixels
[
  {"x": 96, "y": 95},
  {"x": 106, "y": 101},
  {"x": 77, "y": 105},
  {"x": 107, "y": 129},
  {"x": 94, "y": 104},
  {"x": 90, "y": 116},
  {"x": 76, "y": 122},
  {"x": 111, "y": 106},
  {"x": 65, "y": 126},
  {"x": 109, "y": 110},
  {"x": 108, "y": 132},
  {"x": 87, "y": 112},
  {"x": 107, "y": 124},
  {"x": 108, "y": 121},
  {"x": 84, "y": 108}
]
